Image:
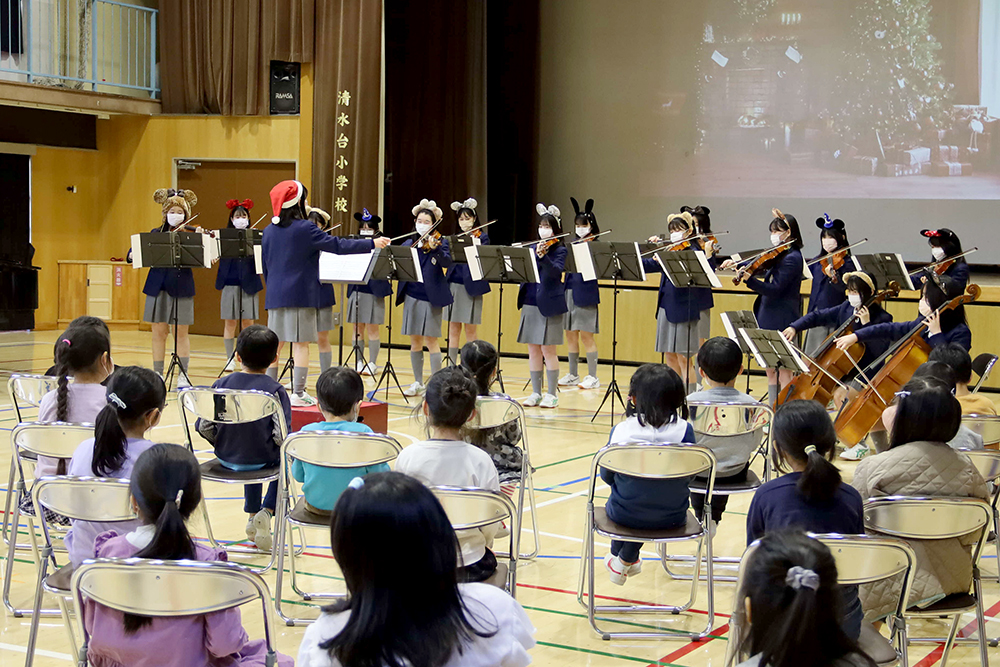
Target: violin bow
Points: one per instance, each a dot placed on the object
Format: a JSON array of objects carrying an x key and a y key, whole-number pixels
[
  {"x": 526, "y": 244},
  {"x": 476, "y": 229},
  {"x": 258, "y": 221},
  {"x": 942, "y": 261},
  {"x": 839, "y": 251},
  {"x": 591, "y": 237},
  {"x": 428, "y": 232},
  {"x": 814, "y": 363}
]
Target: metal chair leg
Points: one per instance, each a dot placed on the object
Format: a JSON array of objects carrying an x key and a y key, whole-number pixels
[
  {"x": 980, "y": 620},
  {"x": 951, "y": 639},
  {"x": 43, "y": 566}
]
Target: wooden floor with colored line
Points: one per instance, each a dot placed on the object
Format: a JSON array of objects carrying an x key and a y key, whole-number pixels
[{"x": 562, "y": 442}]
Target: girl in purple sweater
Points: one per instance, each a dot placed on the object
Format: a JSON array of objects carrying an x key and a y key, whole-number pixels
[{"x": 166, "y": 489}]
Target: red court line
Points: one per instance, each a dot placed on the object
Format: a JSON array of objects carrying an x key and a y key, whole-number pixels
[
  {"x": 693, "y": 645},
  {"x": 607, "y": 597},
  {"x": 934, "y": 656}
]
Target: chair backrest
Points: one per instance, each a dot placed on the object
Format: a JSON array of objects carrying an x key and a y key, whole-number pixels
[
  {"x": 987, "y": 426},
  {"x": 101, "y": 499},
  {"x": 55, "y": 439},
  {"x": 725, "y": 420},
  {"x": 469, "y": 508},
  {"x": 934, "y": 518},
  {"x": 655, "y": 461},
  {"x": 987, "y": 462},
  {"x": 493, "y": 411},
  {"x": 340, "y": 449},
  {"x": 27, "y": 390},
  {"x": 983, "y": 365},
  {"x": 230, "y": 406}
]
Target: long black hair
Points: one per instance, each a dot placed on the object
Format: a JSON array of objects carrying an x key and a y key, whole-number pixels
[
  {"x": 295, "y": 212},
  {"x": 166, "y": 485},
  {"x": 947, "y": 240},
  {"x": 78, "y": 349},
  {"x": 795, "y": 603},
  {"x": 585, "y": 215},
  {"x": 926, "y": 409},
  {"x": 788, "y": 223},
  {"x": 832, "y": 229},
  {"x": 799, "y": 425},
  {"x": 659, "y": 395},
  {"x": 398, "y": 619},
  {"x": 855, "y": 283},
  {"x": 939, "y": 290},
  {"x": 132, "y": 392},
  {"x": 479, "y": 358},
  {"x": 451, "y": 397}
]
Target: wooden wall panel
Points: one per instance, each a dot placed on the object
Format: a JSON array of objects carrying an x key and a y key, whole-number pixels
[{"x": 72, "y": 291}]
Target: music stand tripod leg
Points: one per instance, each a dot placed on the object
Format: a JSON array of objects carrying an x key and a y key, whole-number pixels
[
  {"x": 175, "y": 360},
  {"x": 289, "y": 364},
  {"x": 239, "y": 330},
  {"x": 356, "y": 349},
  {"x": 388, "y": 370},
  {"x": 613, "y": 389},
  {"x": 500, "y": 340}
]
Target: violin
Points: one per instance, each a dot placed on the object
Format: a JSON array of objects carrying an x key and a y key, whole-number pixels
[
  {"x": 542, "y": 247},
  {"x": 831, "y": 363},
  {"x": 760, "y": 262},
  {"x": 940, "y": 268},
  {"x": 430, "y": 241},
  {"x": 859, "y": 414},
  {"x": 836, "y": 259},
  {"x": 476, "y": 232}
]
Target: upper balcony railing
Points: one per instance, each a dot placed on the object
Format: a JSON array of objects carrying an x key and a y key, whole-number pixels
[{"x": 99, "y": 45}]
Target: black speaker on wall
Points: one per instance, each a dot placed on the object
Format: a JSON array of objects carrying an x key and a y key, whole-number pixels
[{"x": 285, "y": 88}]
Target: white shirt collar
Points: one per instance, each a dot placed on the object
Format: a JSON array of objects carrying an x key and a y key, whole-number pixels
[{"x": 141, "y": 536}]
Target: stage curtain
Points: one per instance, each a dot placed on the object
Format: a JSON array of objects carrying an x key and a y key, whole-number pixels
[
  {"x": 347, "y": 100},
  {"x": 215, "y": 54}
]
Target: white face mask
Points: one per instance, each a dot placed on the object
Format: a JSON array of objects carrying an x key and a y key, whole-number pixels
[
  {"x": 854, "y": 300},
  {"x": 466, "y": 225},
  {"x": 924, "y": 308},
  {"x": 544, "y": 232},
  {"x": 938, "y": 253},
  {"x": 829, "y": 245},
  {"x": 676, "y": 237},
  {"x": 175, "y": 219},
  {"x": 367, "y": 232},
  {"x": 241, "y": 223},
  {"x": 776, "y": 238},
  {"x": 582, "y": 231},
  {"x": 423, "y": 228}
]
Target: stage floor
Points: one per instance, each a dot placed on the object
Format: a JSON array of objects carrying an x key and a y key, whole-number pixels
[{"x": 562, "y": 443}]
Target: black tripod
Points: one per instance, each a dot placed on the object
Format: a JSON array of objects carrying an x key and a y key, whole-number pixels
[
  {"x": 175, "y": 360},
  {"x": 357, "y": 350},
  {"x": 239, "y": 330},
  {"x": 613, "y": 390},
  {"x": 388, "y": 370},
  {"x": 500, "y": 334},
  {"x": 290, "y": 364}
]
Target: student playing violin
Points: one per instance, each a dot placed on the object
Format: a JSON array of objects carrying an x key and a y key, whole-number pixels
[
  {"x": 945, "y": 243},
  {"x": 828, "y": 289}
]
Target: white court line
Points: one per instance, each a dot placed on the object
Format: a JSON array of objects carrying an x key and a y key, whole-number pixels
[
  {"x": 405, "y": 435},
  {"x": 14, "y": 648}
]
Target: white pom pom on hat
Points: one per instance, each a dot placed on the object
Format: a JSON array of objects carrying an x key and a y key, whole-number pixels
[{"x": 284, "y": 195}]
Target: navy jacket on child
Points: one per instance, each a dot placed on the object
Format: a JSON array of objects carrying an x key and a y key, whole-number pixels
[
  {"x": 959, "y": 272},
  {"x": 254, "y": 442},
  {"x": 435, "y": 286},
  {"x": 176, "y": 282},
  {"x": 893, "y": 331},
  {"x": 681, "y": 304},
  {"x": 291, "y": 262},
  {"x": 460, "y": 273},
  {"x": 832, "y": 318},
  {"x": 779, "y": 302},
  {"x": 549, "y": 296},
  {"x": 240, "y": 271},
  {"x": 825, "y": 293}
]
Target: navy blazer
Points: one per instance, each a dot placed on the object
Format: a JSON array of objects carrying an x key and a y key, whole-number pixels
[
  {"x": 378, "y": 288},
  {"x": 460, "y": 273},
  {"x": 327, "y": 297},
  {"x": 175, "y": 282},
  {"x": 549, "y": 296},
  {"x": 240, "y": 271},
  {"x": 834, "y": 317},
  {"x": 826, "y": 294},
  {"x": 435, "y": 286},
  {"x": 681, "y": 304},
  {"x": 291, "y": 262},
  {"x": 586, "y": 293},
  {"x": 959, "y": 272},
  {"x": 779, "y": 303},
  {"x": 960, "y": 334}
]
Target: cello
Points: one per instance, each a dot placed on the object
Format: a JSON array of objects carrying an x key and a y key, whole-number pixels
[
  {"x": 831, "y": 363},
  {"x": 862, "y": 412}
]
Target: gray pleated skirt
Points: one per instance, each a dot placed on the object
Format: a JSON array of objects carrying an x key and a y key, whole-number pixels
[
  {"x": 536, "y": 329},
  {"x": 420, "y": 318},
  {"x": 324, "y": 319},
  {"x": 677, "y": 337},
  {"x": 230, "y": 304},
  {"x": 293, "y": 325},
  {"x": 815, "y": 338},
  {"x": 465, "y": 308},
  {"x": 369, "y": 310},
  {"x": 705, "y": 324},
  {"x": 580, "y": 318},
  {"x": 159, "y": 309}
]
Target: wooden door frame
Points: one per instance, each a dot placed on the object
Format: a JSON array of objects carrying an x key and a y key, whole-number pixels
[{"x": 175, "y": 160}]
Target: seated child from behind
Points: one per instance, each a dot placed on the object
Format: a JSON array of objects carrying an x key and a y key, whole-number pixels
[{"x": 960, "y": 361}]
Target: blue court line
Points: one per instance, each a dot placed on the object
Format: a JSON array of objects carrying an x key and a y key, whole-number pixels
[{"x": 556, "y": 486}]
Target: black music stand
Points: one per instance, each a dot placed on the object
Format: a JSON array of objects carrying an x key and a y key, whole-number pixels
[
  {"x": 733, "y": 321},
  {"x": 173, "y": 250},
  {"x": 399, "y": 263},
  {"x": 885, "y": 267},
  {"x": 355, "y": 269},
  {"x": 237, "y": 244},
  {"x": 502, "y": 264},
  {"x": 770, "y": 349},
  {"x": 614, "y": 260}
]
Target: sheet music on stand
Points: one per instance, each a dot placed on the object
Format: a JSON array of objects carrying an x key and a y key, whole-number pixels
[
  {"x": 688, "y": 268},
  {"x": 395, "y": 262},
  {"x": 771, "y": 350},
  {"x": 733, "y": 321},
  {"x": 885, "y": 267},
  {"x": 457, "y": 245},
  {"x": 348, "y": 269},
  {"x": 610, "y": 260},
  {"x": 237, "y": 243},
  {"x": 173, "y": 250},
  {"x": 503, "y": 264}
]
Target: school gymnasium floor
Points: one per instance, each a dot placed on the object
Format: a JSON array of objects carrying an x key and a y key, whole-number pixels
[{"x": 562, "y": 443}]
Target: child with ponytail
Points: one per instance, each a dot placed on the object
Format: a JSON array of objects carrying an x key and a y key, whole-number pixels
[
  {"x": 166, "y": 489},
  {"x": 134, "y": 404},
  {"x": 812, "y": 496}
]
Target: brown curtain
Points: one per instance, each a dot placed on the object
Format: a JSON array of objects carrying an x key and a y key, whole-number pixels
[
  {"x": 215, "y": 54},
  {"x": 347, "y": 100}
]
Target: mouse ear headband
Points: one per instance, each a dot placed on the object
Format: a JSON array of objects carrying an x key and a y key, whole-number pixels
[
  {"x": 233, "y": 203},
  {"x": 551, "y": 210},
  {"x": 469, "y": 203},
  {"x": 826, "y": 222},
  {"x": 367, "y": 218},
  {"x": 428, "y": 205}
]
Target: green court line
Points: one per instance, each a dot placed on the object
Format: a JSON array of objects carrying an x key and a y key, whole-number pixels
[
  {"x": 618, "y": 656},
  {"x": 600, "y": 618},
  {"x": 575, "y": 458}
]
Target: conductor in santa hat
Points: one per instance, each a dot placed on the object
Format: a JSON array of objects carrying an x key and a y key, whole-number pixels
[{"x": 290, "y": 251}]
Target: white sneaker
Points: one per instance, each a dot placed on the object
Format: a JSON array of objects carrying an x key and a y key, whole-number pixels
[
  {"x": 589, "y": 382},
  {"x": 619, "y": 571},
  {"x": 359, "y": 367},
  {"x": 251, "y": 528},
  {"x": 549, "y": 401},
  {"x": 568, "y": 380},
  {"x": 415, "y": 389},
  {"x": 230, "y": 367},
  {"x": 370, "y": 370},
  {"x": 262, "y": 530},
  {"x": 303, "y": 400},
  {"x": 855, "y": 453},
  {"x": 182, "y": 381},
  {"x": 532, "y": 400}
]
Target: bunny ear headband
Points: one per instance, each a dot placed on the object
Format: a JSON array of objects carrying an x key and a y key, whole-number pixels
[
  {"x": 827, "y": 223},
  {"x": 469, "y": 203},
  {"x": 428, "y": 205},
  {"x": 588, "y": 210},
  {"x": 551, "y": 210},
  {"x": 233, "y": 203}
]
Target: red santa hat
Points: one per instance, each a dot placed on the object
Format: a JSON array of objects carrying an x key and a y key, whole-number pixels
[{"x": 284, "y": 195}]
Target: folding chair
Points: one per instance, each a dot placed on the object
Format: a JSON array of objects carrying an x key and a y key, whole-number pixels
[
  {"x": 650, "y": 461},
  {"x": 150, "y": 588},
  {"x": 469, "y": 508},
  {"x": 721, "y": 421},
  {"x": 227, "y": 407},
  {"x": 987, "y": 427},
  {"x": 983, "y": 366},
  {"x": 987, "y": 462},
  {"x": 861, "y": 559},
  {"x": 25, "y": 391},
  {"x": 918, "y": 519},
  {"x": 500, "y": 412},
  {"x": 327, "y": 449},
  {"x": 30, "y": 440},
  {"x": 99, "y": 499}
]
